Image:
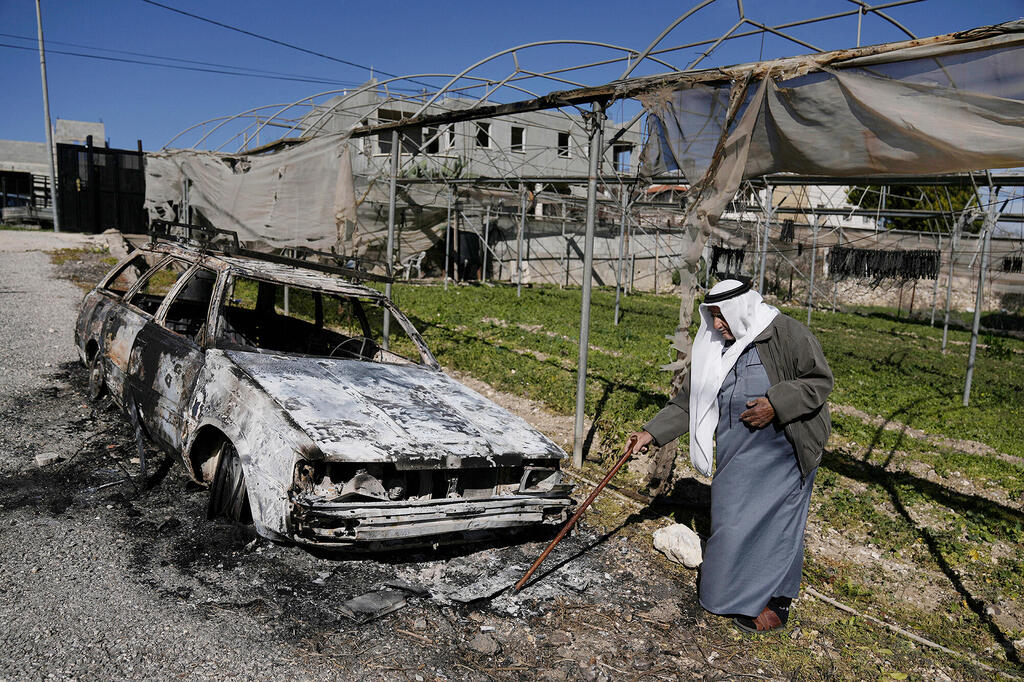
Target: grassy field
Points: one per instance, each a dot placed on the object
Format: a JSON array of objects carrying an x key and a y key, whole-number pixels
[{"x": 922, "y": 530}]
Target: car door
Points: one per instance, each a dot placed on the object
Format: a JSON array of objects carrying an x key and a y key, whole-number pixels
[
  {"x": 168, "y": 355},
  {"x": 123, "y": 323}
]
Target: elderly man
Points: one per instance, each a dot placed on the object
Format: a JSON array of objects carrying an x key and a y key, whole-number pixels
[{"x": 757, "y": 385}]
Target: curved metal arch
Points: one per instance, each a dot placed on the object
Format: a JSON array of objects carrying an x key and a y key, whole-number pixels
[
  {"x": 217, "y": 118},
  {"x": 661, "y": 36},
  {"x": 524, "y": 46},
  {"x": 363, "y": 88}
]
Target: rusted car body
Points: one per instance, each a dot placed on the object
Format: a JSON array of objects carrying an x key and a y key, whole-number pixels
[{"x": 302, "y": 417}]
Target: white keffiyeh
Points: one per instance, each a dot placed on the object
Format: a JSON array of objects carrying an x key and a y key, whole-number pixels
[{"x": 747, "y": 315}]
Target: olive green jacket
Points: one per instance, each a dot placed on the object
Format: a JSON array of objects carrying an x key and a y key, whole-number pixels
[{"x": 800, "y": 383}]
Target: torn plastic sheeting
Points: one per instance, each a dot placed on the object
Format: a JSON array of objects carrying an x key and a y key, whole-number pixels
[
  {"x": 278, "y": 198},
  {"x": 959, "y": 108}
]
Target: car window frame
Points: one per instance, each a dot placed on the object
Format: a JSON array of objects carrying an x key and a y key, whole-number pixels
[
  {"x": 160, "y": 317},
  {"x": 427, "y": 358},
  {"x": 127, "y": 298},
  {"x": 104, "y": 284}
]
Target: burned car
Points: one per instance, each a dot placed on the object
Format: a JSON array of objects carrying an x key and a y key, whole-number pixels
[{"x": 307, "y": 402}]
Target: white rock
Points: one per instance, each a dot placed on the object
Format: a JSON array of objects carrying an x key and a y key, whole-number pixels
[
  {"x": 680, "y": 544},
  {"x": 47, "y": 458}
]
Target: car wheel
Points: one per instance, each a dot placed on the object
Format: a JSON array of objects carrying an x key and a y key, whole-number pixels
[
  {"x": 97, "y": 377},
  {"x": 228, "y": 497}
]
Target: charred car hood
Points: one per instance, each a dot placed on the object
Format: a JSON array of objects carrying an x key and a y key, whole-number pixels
[{"x": 410, "y": 415}]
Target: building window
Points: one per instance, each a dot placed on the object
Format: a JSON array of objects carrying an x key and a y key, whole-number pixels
[
  {"x": 563, "y": 145},
  {"x": 411, "y": 138},
  {"x": 431, "y": 140},
  {"x": 483, "y": 134},
  {"x": 451, "y": 136},
  {"x": 622, "y": 156},
  {"x": 518, "y": 139}
]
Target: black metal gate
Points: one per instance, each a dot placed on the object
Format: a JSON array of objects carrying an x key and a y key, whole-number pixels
[{"x": 101, "y": 188}]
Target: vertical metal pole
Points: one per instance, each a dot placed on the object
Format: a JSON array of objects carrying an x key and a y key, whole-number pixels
[
  {"x": 622, "y": 250},
  {"x": 978, "y": 302},
  {"x": 487, "y": 245},
  {"x": 935, "y": 288},
  {"x": 814, "y": 260},
  {"x": 657, "y": 244},
  {"x": 596, "y": 128},
  {"x": 46, "y": 114},
  {"x": 707, "y": 269},
  {"x": 447, "y": 241},
  {"x": 392, "y": 194},
  {"x": 764, "y": 241},
  {"x": 949, "y": 282},
  {"x": 835, "y": 280},
  {"x": 287, "y": 292},
  {"x": 979, "y": 298},
  {"x": 860, "y": 16},
  {"x": 632, "y": 273},
  {"x": 519, "y": 241}
]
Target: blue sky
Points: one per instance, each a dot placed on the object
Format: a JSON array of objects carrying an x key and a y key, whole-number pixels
[{"x": 154, "y": 103}]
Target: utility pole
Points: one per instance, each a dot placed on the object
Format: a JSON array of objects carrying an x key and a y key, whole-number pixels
[
  {"x": 596, "y": 125},
  {"x": 46, "y": 114}
]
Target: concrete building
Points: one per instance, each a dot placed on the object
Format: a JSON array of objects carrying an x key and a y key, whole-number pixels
[{"x": 25, "y": 193}]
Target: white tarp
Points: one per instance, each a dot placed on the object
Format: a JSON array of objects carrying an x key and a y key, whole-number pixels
[{"x": 299, "y": 196}]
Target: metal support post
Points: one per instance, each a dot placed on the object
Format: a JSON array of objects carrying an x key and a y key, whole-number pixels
[
  {"x": 935, "y": 287},
  {"x": 392, "y": 195},
  {"x": 519, "y": 241},
  {"x": 622, "y": 249},
  {"x": 46, "y": 114},
  {"x": 814, "y": 260},
  {"x": 596, "y": 128},
  {"x": 979, "y": 299},
  {"x": 447, "y": 241},
  {"x": 487, "y": 242},
  {"x": 949, "y": 282},
  {"x": 656, "y": 253},
  {"x": 764, "y": 241},
  {"x": 835, "y": 280}
]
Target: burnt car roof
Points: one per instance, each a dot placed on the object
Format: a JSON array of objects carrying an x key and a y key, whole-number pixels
[{"x": 294, "y": 275}]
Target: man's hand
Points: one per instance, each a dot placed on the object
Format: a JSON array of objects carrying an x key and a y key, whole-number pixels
[
  {"x": 760, "y": 414},
  {"x": 638, "y": 441}
]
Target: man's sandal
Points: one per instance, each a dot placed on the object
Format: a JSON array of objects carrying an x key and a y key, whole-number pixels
[{"x": 766, "y": 621}]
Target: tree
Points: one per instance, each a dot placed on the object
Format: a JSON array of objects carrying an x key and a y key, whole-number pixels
[{"x": 915, "y": 197}]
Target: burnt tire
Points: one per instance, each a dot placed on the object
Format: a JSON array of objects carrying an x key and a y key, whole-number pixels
[
  {"x": 229, "y": 498},
  {"x": 97, "y": 377}
]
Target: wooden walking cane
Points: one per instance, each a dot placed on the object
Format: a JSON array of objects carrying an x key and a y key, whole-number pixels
[{"x": 575, "y": 517}]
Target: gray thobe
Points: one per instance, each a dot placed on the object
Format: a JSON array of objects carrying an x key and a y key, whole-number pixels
[{"x": 759, "y": 504}]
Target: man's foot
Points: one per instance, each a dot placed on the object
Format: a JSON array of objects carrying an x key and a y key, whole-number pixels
[{"x": 772, "y": 617}]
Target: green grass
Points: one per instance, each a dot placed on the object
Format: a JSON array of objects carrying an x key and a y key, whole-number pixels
[{"x": 882, "y": 367}]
